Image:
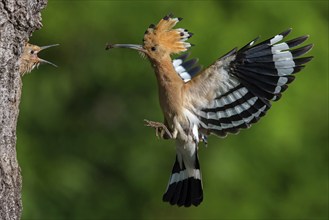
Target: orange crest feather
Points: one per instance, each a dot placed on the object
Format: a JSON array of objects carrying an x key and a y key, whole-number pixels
[{"x": 163, "y": 34}]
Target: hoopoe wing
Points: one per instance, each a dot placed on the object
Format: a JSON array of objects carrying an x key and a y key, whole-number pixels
[
  {"x": 237, "y": 90},
  {"x": 185, "y": 68}
]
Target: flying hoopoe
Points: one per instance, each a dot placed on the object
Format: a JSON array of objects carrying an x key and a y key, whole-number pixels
[
  {"x": 29, "y": 58},
  {"x": 232, "y": 93}
]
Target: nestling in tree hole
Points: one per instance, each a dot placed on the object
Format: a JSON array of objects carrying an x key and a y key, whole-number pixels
[
  {"x": 232, "y": 93},
  {"x": 29, "y": 58}
]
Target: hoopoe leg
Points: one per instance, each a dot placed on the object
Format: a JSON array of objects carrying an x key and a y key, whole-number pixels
[
  {"x": 161, "y": 129},
  {"x": 180, "y": 131}
]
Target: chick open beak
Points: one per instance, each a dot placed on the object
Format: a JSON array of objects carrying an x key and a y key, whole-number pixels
[
  {"x": 45, "y": 61},
  {"x": 48, "y": 46}
]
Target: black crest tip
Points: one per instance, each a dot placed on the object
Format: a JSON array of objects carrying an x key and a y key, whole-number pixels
[{"x": 166, "y": 17}]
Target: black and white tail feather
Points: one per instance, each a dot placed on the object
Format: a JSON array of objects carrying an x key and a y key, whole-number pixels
[
  {"x": 250, "y": 78},
  {"x": 185, "y": 183}
]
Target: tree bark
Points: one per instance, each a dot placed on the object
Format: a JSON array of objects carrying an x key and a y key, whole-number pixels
[{"x": 18, "y": 19}]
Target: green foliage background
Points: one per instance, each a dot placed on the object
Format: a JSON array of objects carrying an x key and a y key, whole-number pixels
[{"x": 85, "y": 153}]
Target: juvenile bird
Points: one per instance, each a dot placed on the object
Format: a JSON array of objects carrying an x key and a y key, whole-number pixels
[
  {"x": 232, "y": 93},
  {"x": 29, "y": 58}
]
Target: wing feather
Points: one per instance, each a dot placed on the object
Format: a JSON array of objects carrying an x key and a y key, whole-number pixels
[
  {"x": 186, "y": 69},
  {"x": 237, "y": 90}
]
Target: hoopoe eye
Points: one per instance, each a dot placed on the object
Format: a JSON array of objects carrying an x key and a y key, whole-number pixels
[
  {"x": 153, "y": 48},
  {"x": 31, "y": 51}
]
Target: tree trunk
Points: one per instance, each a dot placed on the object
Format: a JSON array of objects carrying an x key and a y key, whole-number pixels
[{"x": 18, "y": 19}]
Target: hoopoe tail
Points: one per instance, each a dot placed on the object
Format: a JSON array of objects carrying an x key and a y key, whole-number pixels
[{"x": 185, "y": 183}]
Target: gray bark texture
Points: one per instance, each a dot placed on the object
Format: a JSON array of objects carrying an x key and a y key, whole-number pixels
[{"x": 18, "y": 19}]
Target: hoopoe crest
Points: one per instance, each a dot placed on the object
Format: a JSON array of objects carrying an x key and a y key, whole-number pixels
[
  {"x": 231, "y": 94},
  {"x": 161, "y": 40},
  {"x": 29, "y": 58}
]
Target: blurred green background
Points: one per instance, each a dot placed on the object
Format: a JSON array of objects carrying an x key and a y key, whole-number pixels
[{"x": 85, "y": 153}]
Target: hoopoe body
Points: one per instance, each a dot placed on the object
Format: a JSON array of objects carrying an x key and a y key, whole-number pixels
[
  {"x": 229, "y": 95},
  {"x": 29, "y": 58}
]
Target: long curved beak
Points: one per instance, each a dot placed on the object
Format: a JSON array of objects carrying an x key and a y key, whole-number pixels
[
  {"x": 45, "y": 61},
  {"x": 129, "y": 46}
]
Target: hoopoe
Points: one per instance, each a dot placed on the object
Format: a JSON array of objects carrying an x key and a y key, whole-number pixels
[
  {"x": 29, "y": 58},
  {"x": 232, "y": 93}
]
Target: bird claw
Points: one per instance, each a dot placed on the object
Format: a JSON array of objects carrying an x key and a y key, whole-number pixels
[{"x": 160, "y": 129}]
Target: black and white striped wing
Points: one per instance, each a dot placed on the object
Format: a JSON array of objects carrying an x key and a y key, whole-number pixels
[
  {"x": 252, "y": 77},
  {"x": 186, "y": 69}
]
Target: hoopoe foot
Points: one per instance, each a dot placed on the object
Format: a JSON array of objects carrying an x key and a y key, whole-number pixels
[{"x": 160, "y": 129}]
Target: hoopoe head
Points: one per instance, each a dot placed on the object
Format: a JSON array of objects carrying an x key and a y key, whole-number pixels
[
  {"x": 29, "y": 58},
  {"x": 161, "y": 40}
]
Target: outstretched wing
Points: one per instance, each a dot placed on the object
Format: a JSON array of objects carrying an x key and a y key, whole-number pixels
[{"x": 237, "y": 89}]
